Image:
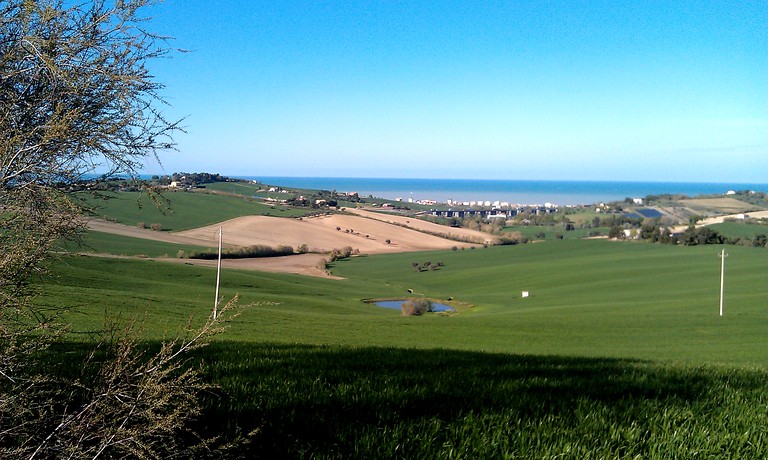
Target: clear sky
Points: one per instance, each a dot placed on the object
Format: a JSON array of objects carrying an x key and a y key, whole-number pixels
[{"x": 582, "y": 90}]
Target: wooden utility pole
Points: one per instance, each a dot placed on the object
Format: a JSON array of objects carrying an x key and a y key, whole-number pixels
[
  {"x": 723, "y": 255},
  {"x": 218, "y": 278}
]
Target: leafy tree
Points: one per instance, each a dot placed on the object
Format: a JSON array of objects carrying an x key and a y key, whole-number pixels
[
  {"x": 702, "y": 235},
  {"x": 76, "y": 97}
]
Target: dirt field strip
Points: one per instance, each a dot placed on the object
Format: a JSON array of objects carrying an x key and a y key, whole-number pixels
[{"x": 299, "y": 264}]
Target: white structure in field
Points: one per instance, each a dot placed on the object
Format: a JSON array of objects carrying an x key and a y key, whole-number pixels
[{"x": 525, "y": 294}]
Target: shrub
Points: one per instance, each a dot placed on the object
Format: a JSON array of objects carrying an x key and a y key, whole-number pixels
[
  {"x": 156, "y": 227},
  {"x": 512, "y": 238},
  {"x": 342, "y": 253},
  {"x": 259, "y": 250},
  {"x": 302, "y": 249},
  {"x": 416, "y": 307},
  {"x": 141, "y": 225},
  {"x": 322, "y": 264}
]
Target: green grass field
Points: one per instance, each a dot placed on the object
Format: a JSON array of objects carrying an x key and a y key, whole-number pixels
[
  {"x": 619, "y": 352},
  {"x": 735, "y": 230},
  {"x": 108, "y": 243},
  {"x": 183, "y": 210},
  {"x": 588, "y": 298}
]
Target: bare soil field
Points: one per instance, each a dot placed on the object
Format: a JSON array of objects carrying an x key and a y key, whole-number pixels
[
  {"x": 364, "y": 232},
  {"x": 428, "y": 227},
  {"x": 323, "y": 234}
]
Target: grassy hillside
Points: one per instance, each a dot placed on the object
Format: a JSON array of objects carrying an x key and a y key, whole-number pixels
[
  {"x": 734, "y": 230},
  {"x": 107, "y": 243},
  {"x": 182, "y": 210},
  {"x": 588, "y": 298},
  {"x": 372, "y": 402},
  {"x": 618, "y": 353}
]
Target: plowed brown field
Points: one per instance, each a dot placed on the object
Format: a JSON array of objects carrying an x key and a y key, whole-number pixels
[{"x": 368, "y": 232}]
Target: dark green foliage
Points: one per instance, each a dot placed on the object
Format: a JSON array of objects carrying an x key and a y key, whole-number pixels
[
  {"x": 368, "y": 402},
  {"x": 258, "y": 250},
  {"x": 701, "y": 235}
]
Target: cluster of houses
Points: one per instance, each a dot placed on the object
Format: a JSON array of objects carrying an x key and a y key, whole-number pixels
[{"x": 493, "y": 213}]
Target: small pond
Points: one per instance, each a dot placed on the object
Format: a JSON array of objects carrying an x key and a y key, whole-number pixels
[{"x": 397, "y": 304}]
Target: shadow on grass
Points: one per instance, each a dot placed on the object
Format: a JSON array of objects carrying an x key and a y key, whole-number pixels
[{"x": 341, "y": 402}]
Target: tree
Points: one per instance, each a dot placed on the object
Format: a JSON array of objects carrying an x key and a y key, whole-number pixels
[
  {"x": 77, "y": 98},
  {"x": 615, "y": 232}
]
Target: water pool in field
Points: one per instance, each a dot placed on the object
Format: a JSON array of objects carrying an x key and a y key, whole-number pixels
[{"x": 397, "y": 305}]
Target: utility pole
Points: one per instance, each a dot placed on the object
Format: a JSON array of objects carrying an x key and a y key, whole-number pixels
[
  {"x": 218, "y": 278},
  {"x": 722, "y": 255}
]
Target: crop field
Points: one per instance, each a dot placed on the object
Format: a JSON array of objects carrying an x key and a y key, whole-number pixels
[
  {"x": 740, "y": 229},
  {"x": 724, "y": 205},
  {"x": 619, "y": 352}
]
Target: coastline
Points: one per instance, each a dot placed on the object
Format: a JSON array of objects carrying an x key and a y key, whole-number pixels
[{"x": 514, "y": 192}]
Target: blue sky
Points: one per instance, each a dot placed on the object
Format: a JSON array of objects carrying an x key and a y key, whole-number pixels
[{"x": 641, "y": 90}]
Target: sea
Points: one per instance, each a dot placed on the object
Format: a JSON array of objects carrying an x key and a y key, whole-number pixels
[{"x": 522, "y": 192}]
